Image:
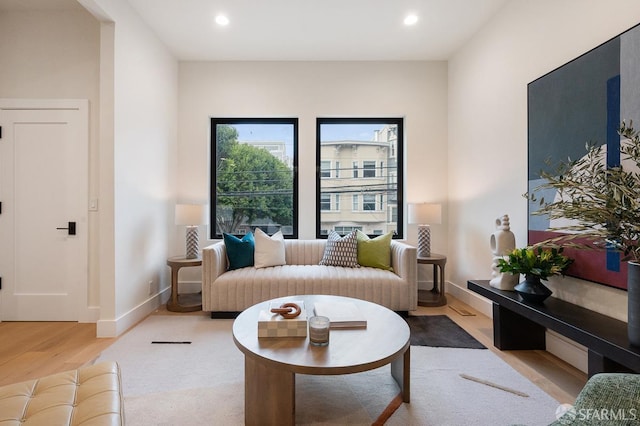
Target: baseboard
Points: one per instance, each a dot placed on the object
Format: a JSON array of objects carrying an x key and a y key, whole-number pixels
[
  {"x": 472, "y": 299},
  {"x": 567, "y": 350},
  {"x": 116, "y": 327}
]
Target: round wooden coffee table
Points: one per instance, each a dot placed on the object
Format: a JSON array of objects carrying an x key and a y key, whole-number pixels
[{"x": 271, "y": 363}]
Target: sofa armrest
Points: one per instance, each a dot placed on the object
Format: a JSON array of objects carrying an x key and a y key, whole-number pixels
[
  {"x": 405, "y": 265},
  {"x": 214, "y": 264}
]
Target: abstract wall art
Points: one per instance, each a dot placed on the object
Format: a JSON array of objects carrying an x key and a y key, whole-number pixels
[{"x": 583, "y": 101}]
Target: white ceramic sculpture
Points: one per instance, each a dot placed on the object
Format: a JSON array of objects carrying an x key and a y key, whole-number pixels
[{"x": 503, "y": 242}]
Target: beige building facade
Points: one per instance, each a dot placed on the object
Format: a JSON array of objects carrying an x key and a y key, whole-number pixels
[{"x": 358, "y": 185}]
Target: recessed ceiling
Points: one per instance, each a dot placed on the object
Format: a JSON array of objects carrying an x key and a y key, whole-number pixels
[
  {"x": 304, "y": 30},
  {"x": 315, "y": 29}
]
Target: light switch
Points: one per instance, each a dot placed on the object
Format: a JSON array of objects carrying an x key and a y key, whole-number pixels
[{"x": 93, "y": 205}]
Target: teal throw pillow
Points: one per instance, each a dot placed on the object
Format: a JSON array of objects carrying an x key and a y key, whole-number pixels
[{"x": 239, "y": 251}]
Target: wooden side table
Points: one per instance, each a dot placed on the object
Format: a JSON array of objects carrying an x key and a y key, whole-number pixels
[
  {"x": 435, "y": 296},
  {"x": 188, "y": 302}
]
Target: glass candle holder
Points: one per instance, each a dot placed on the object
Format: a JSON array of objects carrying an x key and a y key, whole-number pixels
[{"x": 319, "y": 331}]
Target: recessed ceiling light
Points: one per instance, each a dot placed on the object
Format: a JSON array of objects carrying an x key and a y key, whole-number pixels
[
  {"x": 222, "y": 20},
  {"x": 411, "y": 19}
]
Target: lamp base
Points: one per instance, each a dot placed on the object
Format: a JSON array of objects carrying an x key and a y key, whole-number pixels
[
  {"x": 193, "y": 246},
  {"x": 424, "y": 241}
]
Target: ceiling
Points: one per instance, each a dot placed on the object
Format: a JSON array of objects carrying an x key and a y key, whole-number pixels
[
  {"x": 315, "y": 29},
  {"x": 305, "y": 30}
]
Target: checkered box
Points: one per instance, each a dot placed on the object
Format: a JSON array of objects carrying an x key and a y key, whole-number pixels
[{"x": 274, "y": 325}]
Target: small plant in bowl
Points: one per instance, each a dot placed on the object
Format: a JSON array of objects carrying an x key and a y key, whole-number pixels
[
  {"x": 536, "y": 264},
  {"x": 536, "y": 261}
]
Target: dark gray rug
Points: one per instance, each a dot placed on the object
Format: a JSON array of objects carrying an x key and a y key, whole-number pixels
[{"x": 440, "y": 331}]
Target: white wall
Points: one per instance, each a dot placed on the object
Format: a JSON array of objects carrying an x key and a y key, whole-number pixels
[
  {"x": 488, "y": 125},
  {"x": 55, "y": 54},
  {"x": 414, "y": 90},
  {"x": 140, "y": 138}
]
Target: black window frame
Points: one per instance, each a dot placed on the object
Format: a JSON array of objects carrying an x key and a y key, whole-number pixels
[
  {"x": 397, "y": 150},
  {"x": 215, "y": 121}
]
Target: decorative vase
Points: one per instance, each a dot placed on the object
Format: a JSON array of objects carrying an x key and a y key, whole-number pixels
[
  {"x": 532, "y": 290},
  {"x": 633, "y": 297},
  {"x": 503, "y": 242}
]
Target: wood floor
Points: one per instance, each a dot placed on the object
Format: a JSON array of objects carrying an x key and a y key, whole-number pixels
[{"x": 34, "y": 349}]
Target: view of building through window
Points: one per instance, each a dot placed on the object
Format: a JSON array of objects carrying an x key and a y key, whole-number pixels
[
  {"x": 253, "y": 175},
  {"x": 359, "y": 162}
]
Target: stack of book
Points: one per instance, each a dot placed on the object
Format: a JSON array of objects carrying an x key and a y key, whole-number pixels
[{"x": 341, "y": 314}]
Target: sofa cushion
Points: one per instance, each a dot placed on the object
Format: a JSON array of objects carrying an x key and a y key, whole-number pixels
[
  {"x": 375, "y": 252},
  {"x": 239, "y": 251},
  {"x": 269, "y": 251},
  {"x": 341, "y": 251},
  {"x": 239, "y": 289}
]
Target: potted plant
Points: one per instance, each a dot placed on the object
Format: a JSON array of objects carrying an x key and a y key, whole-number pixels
[
  {"x": 536, "y": 264},
  {"x": 603, "y": 204}
]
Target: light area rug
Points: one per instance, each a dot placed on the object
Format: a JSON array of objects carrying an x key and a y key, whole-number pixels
[{"x": 202, "y": 383}]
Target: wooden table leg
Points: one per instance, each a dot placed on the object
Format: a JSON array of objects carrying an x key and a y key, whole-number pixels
[
  {"x": 172, "y": 305},
  {"x": 269, "y": 395},
  {"x": 400, "y": 370}
]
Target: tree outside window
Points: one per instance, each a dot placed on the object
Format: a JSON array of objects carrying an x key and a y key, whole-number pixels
[{"x": 254, "y": 175}]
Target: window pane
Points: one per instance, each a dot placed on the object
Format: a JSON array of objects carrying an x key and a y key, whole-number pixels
[
  {"x": 373, "y": 149},
  {"x": 369, "y": 169},
  {"x": 253, "y": 175},
  {"x": 325, "y": 202},
  {"x": 325, "y": 169}
]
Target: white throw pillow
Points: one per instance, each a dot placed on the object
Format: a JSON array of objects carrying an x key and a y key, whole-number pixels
[{"x": 269, "y": 251}]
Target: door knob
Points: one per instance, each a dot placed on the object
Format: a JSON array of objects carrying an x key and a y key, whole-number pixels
[{"x": 71, "y": 228}]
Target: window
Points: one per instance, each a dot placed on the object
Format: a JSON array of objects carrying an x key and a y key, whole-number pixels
[
  {"x": 368, "y": 202},
  {"x": 325, "y": 169},
  {"x": 325, "y": 202},
  {"x": 369, "y": 169},
  {"x": 373, "y": 149},
  {"x": 344, "y": 230},
  {"x": 254, "y": 176}
]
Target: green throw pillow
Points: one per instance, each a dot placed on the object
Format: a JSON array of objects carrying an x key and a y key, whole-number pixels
[
  {"x": 239, "y": 251},
  {"x": 375, "y": 252}
]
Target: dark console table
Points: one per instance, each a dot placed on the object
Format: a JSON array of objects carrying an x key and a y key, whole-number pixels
[{"x": 521, "y": 325}]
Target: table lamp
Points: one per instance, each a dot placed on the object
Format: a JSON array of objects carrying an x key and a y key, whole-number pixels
[
  {"x": 424, "y": 214},
  {"x": 191, "y": 215}
]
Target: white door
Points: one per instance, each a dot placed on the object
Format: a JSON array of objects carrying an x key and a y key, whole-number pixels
[{"x": 43, "y": 187}]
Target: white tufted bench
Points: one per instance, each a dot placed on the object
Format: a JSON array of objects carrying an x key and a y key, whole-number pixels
[{"x": 89, "y": 396}]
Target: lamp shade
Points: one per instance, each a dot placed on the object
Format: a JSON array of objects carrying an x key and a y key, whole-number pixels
[
  {"x": 425, "y": 213},
  {"x": 190, "y": 214}
]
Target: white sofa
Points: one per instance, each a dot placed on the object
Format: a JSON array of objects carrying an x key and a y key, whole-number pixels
[{"x": 226, "y": 291}]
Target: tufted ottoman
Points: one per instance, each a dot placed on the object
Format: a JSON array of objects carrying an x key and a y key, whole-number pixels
[{"x": 87, "y": 396}]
